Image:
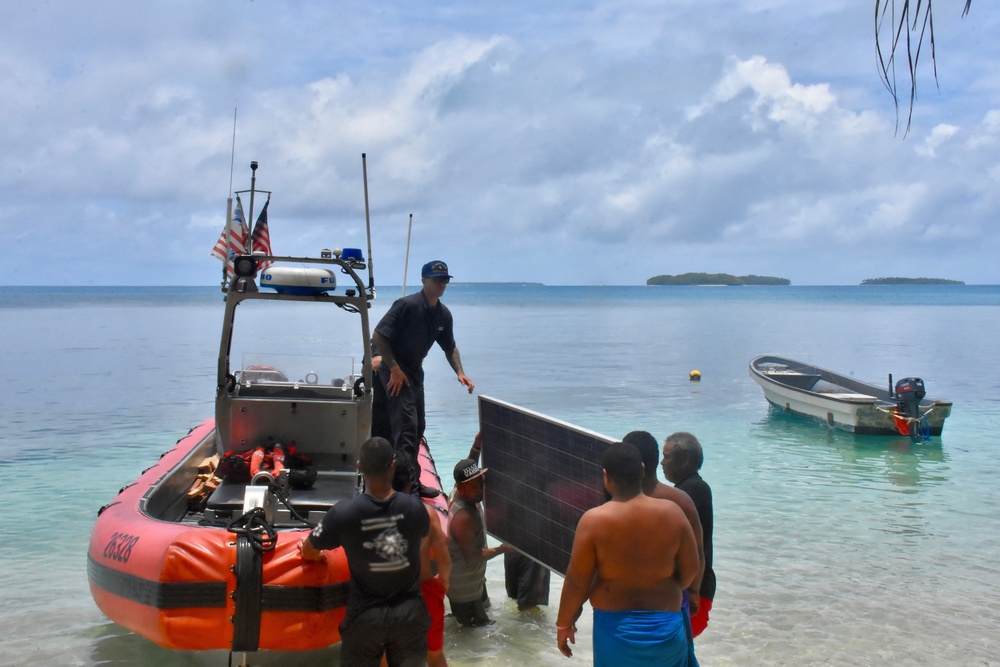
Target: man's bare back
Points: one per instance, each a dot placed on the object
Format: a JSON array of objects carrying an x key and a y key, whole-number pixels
[
  {"x": 633, "y": 553},
  {"x": 644, "y": 552},
  {"x": 683, "y": 500},
  {"x": 434, "y": 556}
]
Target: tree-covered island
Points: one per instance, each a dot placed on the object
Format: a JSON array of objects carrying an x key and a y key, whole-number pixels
[
  {"x": 910, "y": 281},
  {"x": 716, "y": 279}
]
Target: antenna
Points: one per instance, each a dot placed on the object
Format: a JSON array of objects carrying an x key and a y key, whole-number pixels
[
  {"x": 232, "y": 159},
  {"x": 368, "y": 226},
  {"x": 406, "y": 264}
]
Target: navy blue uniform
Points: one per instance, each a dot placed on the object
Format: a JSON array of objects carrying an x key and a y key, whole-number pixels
[{"x": 412, "y": 327}]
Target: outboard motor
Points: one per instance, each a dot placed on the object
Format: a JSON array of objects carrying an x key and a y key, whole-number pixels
[{"x": 909, "y": 393}]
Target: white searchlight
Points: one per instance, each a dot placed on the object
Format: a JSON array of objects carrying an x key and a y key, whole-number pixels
[{"x": 298, "y": 280}]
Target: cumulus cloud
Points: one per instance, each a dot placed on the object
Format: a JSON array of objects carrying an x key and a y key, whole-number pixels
[
  {"x": 677, "y": 136},
  {"x": 938, "y": 136}
]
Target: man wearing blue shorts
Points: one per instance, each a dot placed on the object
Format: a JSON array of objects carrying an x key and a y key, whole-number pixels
[{"x": 632, "y": 557}]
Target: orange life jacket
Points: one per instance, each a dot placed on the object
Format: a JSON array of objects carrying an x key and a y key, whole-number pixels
[{"x": 268, "y": 460}]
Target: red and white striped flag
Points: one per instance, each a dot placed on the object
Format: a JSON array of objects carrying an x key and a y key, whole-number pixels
[
  {"x": 237, "y": 237},
  {"x": 261, "y": 239}
]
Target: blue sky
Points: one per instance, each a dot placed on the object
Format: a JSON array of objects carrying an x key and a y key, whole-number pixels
[{"x": 563, "y": 142}]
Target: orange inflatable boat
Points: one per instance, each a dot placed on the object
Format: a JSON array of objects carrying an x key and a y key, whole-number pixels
[
  {"x": 199, "y": 552},
  {"x": 168, "y": 574}
]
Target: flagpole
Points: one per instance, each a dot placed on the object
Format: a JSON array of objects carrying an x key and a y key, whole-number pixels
[
  {"x": 229, "y": 239},
  {"x": 406, "y": 264},
  {"x": 253, "y": 183}
]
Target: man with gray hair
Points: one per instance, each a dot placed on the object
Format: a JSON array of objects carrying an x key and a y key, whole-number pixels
[
  {"x": 649, "y": 450},
  {"x": 682, "y": 459}
]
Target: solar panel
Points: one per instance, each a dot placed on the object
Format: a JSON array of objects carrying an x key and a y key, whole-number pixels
[{"x": 543, "y": 475}]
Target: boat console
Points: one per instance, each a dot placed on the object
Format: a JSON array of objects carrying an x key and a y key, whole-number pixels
[
  {"x": 227, "y": 501},
  {"x": 309, "y": 400}
]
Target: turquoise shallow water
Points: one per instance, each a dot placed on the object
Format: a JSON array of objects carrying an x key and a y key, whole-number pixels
[{"x": 831, "y": 549}]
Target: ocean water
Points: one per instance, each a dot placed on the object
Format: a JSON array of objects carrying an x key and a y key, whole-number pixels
[{"x": 831, "y": 549}]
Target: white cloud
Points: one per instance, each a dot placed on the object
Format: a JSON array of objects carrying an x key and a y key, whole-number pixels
[
  {"x": 939, "y": 135},
  {"x": 736, "y": 134},
  {"x": 775, "y": 97}
]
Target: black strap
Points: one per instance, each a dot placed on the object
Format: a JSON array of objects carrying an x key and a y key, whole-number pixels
[{"x": 248, "y": 594}]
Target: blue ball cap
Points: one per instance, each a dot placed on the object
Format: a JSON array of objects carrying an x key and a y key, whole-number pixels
[{"x": 435, "y": 269}]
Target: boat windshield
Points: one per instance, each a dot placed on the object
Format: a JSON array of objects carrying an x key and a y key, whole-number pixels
[
  {"x": 289, "y": 344},
  {"x": 296, "y": 370}
]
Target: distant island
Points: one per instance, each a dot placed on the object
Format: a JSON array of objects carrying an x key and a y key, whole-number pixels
[
  {"x": 716, "y": 279},
  {"x": 910, "y": 281}
]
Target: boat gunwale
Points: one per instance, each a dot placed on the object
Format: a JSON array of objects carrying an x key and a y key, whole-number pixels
[
  {"x": 833, "y": 377},
  {"x": 856, "y": 412}
]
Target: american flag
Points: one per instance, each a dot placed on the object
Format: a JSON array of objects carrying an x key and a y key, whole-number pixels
[
  {"x": 237, "y": 238},
  {"x": 261, "y": 238}
]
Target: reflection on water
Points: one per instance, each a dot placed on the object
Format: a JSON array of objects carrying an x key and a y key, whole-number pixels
[
  {"x": 115, "y": 647},
  {"x": 900, "y": 461},
  {"x": 830, "y": 549},
  {"x": 831, "y": 546},
  {"x": 516, "y": 639},
  {"x": 873, "y": 484}
]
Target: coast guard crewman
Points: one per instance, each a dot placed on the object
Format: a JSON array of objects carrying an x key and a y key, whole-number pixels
[{"x": 402, "y": 339}]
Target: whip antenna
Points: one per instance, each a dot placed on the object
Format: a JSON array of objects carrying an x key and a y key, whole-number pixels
[
  {"x": 406, "y": 263},
  {"x": 229, "y": 209},
  {"x": 232, "y": 159},
  {"x": 368, "y": 226}
]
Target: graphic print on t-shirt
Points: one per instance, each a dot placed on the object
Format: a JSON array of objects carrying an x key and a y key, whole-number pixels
[{"x": 389, "y": 544}]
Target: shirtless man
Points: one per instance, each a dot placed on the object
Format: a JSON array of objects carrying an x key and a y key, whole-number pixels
[
  {"x": 649, "y": 450},
  {"x": 632, "y": 557}
]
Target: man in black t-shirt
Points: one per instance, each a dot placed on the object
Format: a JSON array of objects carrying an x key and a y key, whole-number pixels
[
  {"x": 401, "y": 341},
  {"x": 682, "y": 459},
  {"x": 382, "y": 533}
]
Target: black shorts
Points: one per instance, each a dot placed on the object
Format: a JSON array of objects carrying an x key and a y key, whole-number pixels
[
  {"x": 398, "y": 630},
  {"x": 472, "y": 614},
  {"x": 525, "y": 580}
]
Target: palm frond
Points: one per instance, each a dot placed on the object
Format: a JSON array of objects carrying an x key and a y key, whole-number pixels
[{"x": 908, "y": 23}]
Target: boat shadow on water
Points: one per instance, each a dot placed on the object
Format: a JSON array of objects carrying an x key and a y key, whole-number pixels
[
  {"x": 903, "y": 462},
  {"x": 113, "y": 646}
]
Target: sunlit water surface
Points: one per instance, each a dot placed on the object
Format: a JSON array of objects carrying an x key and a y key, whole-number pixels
[{"x": 830, "y": 549}]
